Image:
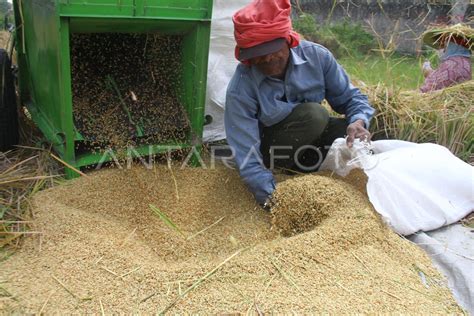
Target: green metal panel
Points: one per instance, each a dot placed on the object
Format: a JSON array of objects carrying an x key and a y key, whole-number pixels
[
  {"x": 39, "y": 55},
  {"x": 117, "y": 3},
  {"x": 108, "y": 8},
  {"x": 189, "y": 4},
  {"x": 65, "y": 94},
  {"x": 177, "y": 9},
  {"x": 43, "y": 123},
  {"x": 164, "y": 9},
  {"x": 195, "y": 57},
  {"x": 43, "y": 46}
]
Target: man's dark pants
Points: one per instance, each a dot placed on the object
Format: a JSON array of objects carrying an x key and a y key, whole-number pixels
[{"x": 307, "y": 132}]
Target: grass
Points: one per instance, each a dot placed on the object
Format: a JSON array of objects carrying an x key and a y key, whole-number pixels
[{"x": 402, "y": 72}]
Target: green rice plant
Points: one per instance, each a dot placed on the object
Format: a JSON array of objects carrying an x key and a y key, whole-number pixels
[{"x": 166, "y": 220}]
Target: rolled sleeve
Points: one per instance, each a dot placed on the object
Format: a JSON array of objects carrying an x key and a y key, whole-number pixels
[{"x": 343, "y": 97}]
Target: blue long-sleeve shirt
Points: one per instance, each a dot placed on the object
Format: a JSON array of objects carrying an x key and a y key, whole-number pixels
[{"x": 254, "y": 100}]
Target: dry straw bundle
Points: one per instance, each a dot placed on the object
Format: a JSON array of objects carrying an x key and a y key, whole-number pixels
[
  {"x": 444, "y": 117},
  {"x": 437, "y": 37},
  {"x": 22, "y": 174}
]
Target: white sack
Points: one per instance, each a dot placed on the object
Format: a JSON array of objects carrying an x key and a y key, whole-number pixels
[{"x": 415, "y": 187}]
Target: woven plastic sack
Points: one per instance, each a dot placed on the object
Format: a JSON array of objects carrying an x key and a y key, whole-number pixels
[{"x": 414, "y": 187}]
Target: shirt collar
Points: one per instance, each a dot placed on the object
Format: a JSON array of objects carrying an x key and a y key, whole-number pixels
[
  {"x": 454, "y": 49},
  {"x": 295, "y": 60},
  {"x": 259, "y": 77}
]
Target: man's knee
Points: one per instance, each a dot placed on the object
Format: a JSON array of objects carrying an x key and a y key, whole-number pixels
[
  {"x": 313, "y": 120},
  {"x": 302, "y": 128},
  {"x": 313, "y": 113}
]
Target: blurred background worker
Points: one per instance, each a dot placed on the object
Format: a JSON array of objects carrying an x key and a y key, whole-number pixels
[
  {"x": 456, "y": 43},
  {"x": 273, "y": 114}
]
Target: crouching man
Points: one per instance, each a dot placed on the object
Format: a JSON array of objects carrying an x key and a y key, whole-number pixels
[{"x": 273, "y": 116}]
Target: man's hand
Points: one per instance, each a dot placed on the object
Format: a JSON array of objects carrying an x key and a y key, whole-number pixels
[
  {"x": 267, "y": 206},
  {"x": 357, "y": 130},
  {"x": 426, "y": 68}
]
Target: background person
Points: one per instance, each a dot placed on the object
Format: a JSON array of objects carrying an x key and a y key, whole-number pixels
[{"x": 455, "y": 61}]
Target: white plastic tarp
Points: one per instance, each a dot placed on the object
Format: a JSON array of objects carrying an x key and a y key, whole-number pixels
[
  {"x": 451, "y": 249},
  {"x": 222, "y": 64}
]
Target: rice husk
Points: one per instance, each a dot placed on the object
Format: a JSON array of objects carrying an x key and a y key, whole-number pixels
[{"x": 96, "y": 230}]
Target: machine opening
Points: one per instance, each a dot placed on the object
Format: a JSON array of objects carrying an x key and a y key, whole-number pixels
[{"x": 126, "y": 90}]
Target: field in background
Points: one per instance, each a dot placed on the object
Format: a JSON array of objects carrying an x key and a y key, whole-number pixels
[
  {"x": 403, "y": 72},
  {"x": 365, "y": 55}
]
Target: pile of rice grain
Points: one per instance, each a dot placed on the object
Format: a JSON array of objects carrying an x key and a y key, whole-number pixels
[
  {"x": 302, "y": 203},
  {"x": 101, "y": 249}
]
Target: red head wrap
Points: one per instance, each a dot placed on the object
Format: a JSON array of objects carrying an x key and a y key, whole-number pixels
[{"x": 262, "y": 21}]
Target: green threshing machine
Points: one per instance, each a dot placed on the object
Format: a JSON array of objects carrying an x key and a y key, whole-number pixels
[{"x": 44, "y": 29}]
